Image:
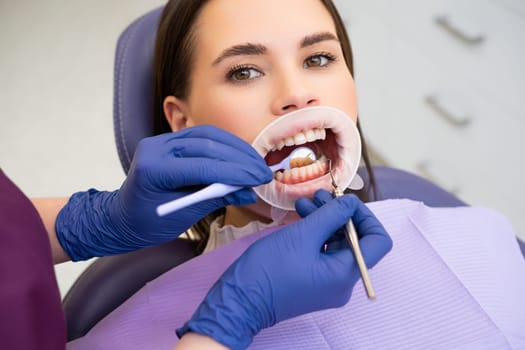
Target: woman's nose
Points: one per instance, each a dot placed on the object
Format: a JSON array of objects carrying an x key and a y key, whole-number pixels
[{"x": 292, "y": 94}]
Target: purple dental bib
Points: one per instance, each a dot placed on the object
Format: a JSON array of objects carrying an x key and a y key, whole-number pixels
[{"x": 455, "y": 279}]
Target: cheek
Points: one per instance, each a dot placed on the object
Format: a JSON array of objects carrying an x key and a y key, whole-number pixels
[
  {"x": 235, "y": 113},
  {"x": 351, "y": 99},
  {"x": 342, "y": 94}
]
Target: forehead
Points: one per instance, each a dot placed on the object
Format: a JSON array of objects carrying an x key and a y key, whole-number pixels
[{"x": 224, "y": 23}]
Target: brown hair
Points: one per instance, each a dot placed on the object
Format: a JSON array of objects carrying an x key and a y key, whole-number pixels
[{"x": 174, "y": 49}]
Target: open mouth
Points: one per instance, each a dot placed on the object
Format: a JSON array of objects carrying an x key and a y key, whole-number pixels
[
  {"x": 329, "y": 133},
  {"x": 321, "y": 141}
]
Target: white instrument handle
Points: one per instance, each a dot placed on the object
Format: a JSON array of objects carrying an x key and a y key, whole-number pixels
[{"x": 215, "y": 190}]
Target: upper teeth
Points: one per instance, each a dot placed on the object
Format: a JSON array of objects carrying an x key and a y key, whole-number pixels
[{"x": 301, "y": 138}]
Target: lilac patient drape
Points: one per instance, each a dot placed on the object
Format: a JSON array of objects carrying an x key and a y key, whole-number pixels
[{"x": 455, "y": 279}]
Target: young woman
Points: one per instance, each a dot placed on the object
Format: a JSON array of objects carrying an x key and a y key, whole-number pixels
[
  {"x": 241, "y": 64},
  {"x": 250, "y": 74}
]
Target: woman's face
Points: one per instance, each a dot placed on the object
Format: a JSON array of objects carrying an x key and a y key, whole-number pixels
[{"x": 256, "y": 60}]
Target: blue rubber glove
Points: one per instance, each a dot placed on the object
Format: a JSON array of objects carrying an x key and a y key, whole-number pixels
[
  {"x": 287, "y": 274},
  {"x": 97, "y": 223}
]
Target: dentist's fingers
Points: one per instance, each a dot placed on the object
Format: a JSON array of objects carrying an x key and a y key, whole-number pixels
[
  {"x": 329, "y": 218},
  {"x": 170, "y": 162},
  {"x": 304, "y": 207},
  {"x": 370, "y": 230},
  {"x": 209, "y": 132}
]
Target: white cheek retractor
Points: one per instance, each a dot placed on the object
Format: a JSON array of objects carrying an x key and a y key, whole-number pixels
[{"x": 301, "y": 122}]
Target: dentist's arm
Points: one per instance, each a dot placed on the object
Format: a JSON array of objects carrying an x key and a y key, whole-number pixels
[
  {"x": 48, "y": 209},
  {"x": 196, "y": 341},
  {"x": 164, "y": 167},
  {"x": 255, "y": 291}
]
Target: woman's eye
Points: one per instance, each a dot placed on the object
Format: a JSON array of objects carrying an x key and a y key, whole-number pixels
[
  {"x": 320, "y": 60},
  {"x": 243, "y": 73}
]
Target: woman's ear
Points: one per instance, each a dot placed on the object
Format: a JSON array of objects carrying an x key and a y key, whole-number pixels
[{"x": 175, "y": 113}]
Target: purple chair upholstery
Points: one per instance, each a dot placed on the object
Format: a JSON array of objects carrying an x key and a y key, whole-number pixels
[
  {"x": 395, "y": 183},
  {"x": 109, "y": 281},
  {"x": 133, "y": 85}
]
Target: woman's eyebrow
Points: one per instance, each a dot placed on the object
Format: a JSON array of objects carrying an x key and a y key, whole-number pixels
[
  {"x": 315, "y": 38},
  {"x": 258, "y": 49},
  {"x": 241, "y": 50}
]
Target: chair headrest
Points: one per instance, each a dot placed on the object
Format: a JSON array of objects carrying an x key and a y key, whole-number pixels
[{"x": 133, "y": 85}]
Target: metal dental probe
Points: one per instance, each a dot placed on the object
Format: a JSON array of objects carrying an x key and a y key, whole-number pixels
[{"x": 351, "y": 236}]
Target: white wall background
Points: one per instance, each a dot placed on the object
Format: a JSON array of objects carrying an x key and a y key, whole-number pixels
[
  {"x": 56, "y": 81},
  {"x": 440, "y": 86}
]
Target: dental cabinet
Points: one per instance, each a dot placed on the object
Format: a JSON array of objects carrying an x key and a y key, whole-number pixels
[{"x": 440, "y": 91}]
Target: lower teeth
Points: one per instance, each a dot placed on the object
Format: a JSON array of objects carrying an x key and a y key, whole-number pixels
[{"x": 304, "y": 173}]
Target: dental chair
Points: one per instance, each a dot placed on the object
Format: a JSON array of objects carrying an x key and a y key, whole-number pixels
[{"x": 109, "y": 281}]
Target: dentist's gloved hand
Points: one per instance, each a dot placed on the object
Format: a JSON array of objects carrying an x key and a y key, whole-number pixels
[
  {"x": 287, "y": 273},
  {"x": 164, "y": 167}
]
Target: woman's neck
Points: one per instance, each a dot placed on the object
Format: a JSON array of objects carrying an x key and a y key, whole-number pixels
[{"x": 241, "y": 216}]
